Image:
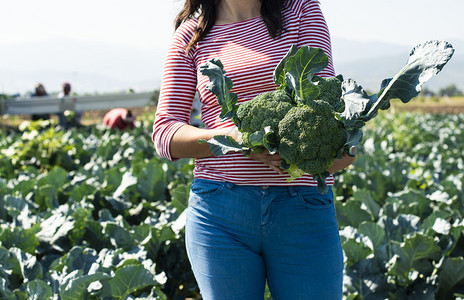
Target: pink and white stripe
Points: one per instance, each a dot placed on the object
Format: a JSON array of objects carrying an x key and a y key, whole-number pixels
[{"x": 249, "y": 56}]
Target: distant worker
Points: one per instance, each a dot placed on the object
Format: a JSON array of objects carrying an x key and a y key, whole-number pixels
[
  {"x": 63, "y": 121},
  {"x": 40, "y": 92},
  {"x": 119, "y": 118}
]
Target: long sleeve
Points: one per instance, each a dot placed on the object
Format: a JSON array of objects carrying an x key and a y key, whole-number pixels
[
  {"x": 177, "y": 92},
  {"x": 314, "y": 32},
  {"x": 249, "y": 55}
]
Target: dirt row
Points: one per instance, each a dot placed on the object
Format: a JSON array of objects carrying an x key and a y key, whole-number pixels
[{"x": 96, "y": 116}]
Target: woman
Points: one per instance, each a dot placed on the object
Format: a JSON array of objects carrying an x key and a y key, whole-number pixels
[{"x": 246, "y": 224}]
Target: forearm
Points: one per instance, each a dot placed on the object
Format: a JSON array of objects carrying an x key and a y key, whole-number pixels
[
  {"x": 184, "y": 143},
  {"x": 342, "y": 163}
]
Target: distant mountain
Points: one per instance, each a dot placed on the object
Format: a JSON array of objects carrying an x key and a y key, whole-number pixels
[
  {"x": 90, "y": 66},
  {"x": 100, "y": 67},
  {"x": 370, "y": 63}
]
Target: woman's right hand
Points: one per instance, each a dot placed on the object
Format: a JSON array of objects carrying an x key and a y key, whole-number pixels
[
  {"x": 271, "y": 160},
  {"x": 234, "y": 133}
]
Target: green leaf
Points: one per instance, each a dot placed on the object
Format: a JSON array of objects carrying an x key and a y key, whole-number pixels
[
  {"x": 24, "y": 239},
  {"x": 179, "y": 197},
  {"x": 5, "y": 261},
  {"x": 5, "y": 292},
  {"x": 220, "y": 85},
  {"x": 300, "y": 69},
  {"x": 292, "y": 170},
  {"x": 151, "y": 183},
  {"x": 120, "y": 236},
  {"x": 80, "y": 259},
  {"x": 380, "y": 243},
  {"x": 366, "y": 280},
  {"x": 279, "y": 71},
  {"x": 223, "y": 144},
  {"x": 374, "y": 232},
  {"x": 38, "y": 289},
  {"x": 264, "y": 139},
  {"x": 411, "y": 251},
  {"x": 351, "y": 213},
  {"x": 372, "y": 206},
  {"x": 355, "y": 251},
  {"x": 451, "y": 274},
  {"x": 128, "y": 180},
  {"x": 76, "y": 285},
  {"x": 425, "y": 61},
  {"x": 79, "y": 192},
  {"x": 127, "y": 280},
  {"x": 56, "y": 177},
  {"x": 31, "y": 269}
]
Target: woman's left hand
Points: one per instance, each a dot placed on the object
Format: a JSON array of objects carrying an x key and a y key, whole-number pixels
[
  {"x": 342, "y": 163},
  {"x": 271, "y": 160}
]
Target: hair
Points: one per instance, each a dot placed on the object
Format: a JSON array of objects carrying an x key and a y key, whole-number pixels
[{"x": 205, "y": 11}]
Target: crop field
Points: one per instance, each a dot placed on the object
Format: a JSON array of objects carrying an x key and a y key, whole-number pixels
[{"x": 90, "y": 213}]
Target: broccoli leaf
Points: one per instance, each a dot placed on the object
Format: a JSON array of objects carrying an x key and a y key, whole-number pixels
[
  {"x": 223, "y": 144},
  {"x": 357, "y": 104},
  {"x": 264, "y": 138},
  {"x": 425, "y": 61},
  {"x": 279, "y": 72},
  {"x": 292, "y": 170},
  {"x": 300, "y": 69},
  {"x": 220, "y": 85}
]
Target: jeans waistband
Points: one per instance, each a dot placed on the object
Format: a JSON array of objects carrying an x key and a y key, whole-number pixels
[{"x": 292, "y": 190}]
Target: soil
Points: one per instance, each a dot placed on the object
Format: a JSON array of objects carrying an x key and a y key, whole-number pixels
[
  {"x": 89, "y": 118},
  {"x": 431, "y": 109},
  {"x": 95, "y": 116}
]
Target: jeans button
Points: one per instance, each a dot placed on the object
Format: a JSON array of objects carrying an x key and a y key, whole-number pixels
[{"x": 265, "y": 187}]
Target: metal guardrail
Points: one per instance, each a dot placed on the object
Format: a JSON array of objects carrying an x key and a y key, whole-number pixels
[{"x": 41, "y": 105}]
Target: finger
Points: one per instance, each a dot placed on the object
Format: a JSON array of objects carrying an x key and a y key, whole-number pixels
[
  {"x": 277, "y": 169},
  {"x": 275, "y": 162},
  {"x": 354, "y": 150}
]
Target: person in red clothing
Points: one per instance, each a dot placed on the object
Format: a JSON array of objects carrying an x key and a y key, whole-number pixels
[{"x": 119, "y": 118}]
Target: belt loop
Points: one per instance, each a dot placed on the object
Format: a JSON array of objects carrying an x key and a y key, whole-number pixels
[
  {"x": 292, "y": 192},
  {"x": 229, "y": 185}
]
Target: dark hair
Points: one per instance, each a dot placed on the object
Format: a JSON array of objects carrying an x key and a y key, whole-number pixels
[{"x": 205, "y": 11}]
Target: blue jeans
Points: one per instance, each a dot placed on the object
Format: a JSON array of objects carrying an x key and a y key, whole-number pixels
[{"x": 239, "y": 236}]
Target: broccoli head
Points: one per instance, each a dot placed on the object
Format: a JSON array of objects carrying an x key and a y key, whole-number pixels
[
  {"x": 264, "y": 110},
  {"x": 331, "y": 91},
  {"x": 311, "y": 137}
]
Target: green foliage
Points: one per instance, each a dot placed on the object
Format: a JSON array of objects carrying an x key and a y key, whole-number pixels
[
  {"x": 450, "y": 91},
  {"x": 115, "y": 226},
  {"x": 89, "y": 214},
  {"x": 402, "y": 203}
]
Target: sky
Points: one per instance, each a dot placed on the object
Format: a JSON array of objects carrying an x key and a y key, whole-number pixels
[{"x": 148, "y": 24}]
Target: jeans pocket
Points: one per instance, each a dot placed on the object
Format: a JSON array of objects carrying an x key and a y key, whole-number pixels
[
  {"x": 204, "y": 187},
  {"x": 311, "y": 198}
]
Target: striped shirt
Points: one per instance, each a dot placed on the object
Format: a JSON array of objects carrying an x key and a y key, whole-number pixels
[{"x": 249, "y": 56}]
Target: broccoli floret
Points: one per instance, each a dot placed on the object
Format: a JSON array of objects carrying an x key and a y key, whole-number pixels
[
  {"x": 264, "y": 110},
  {"x": 331, "y": 91},
  {"x": 310, "y": 137}
]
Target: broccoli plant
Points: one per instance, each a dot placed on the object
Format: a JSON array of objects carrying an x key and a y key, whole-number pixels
[{"x": 311, "y": 120}]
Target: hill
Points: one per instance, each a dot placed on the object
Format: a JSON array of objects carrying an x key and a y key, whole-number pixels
[
  {"x": 370, "y": 63},
  {"x": 90, "y": 66},
  {"x": 97, "y": 67}
]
